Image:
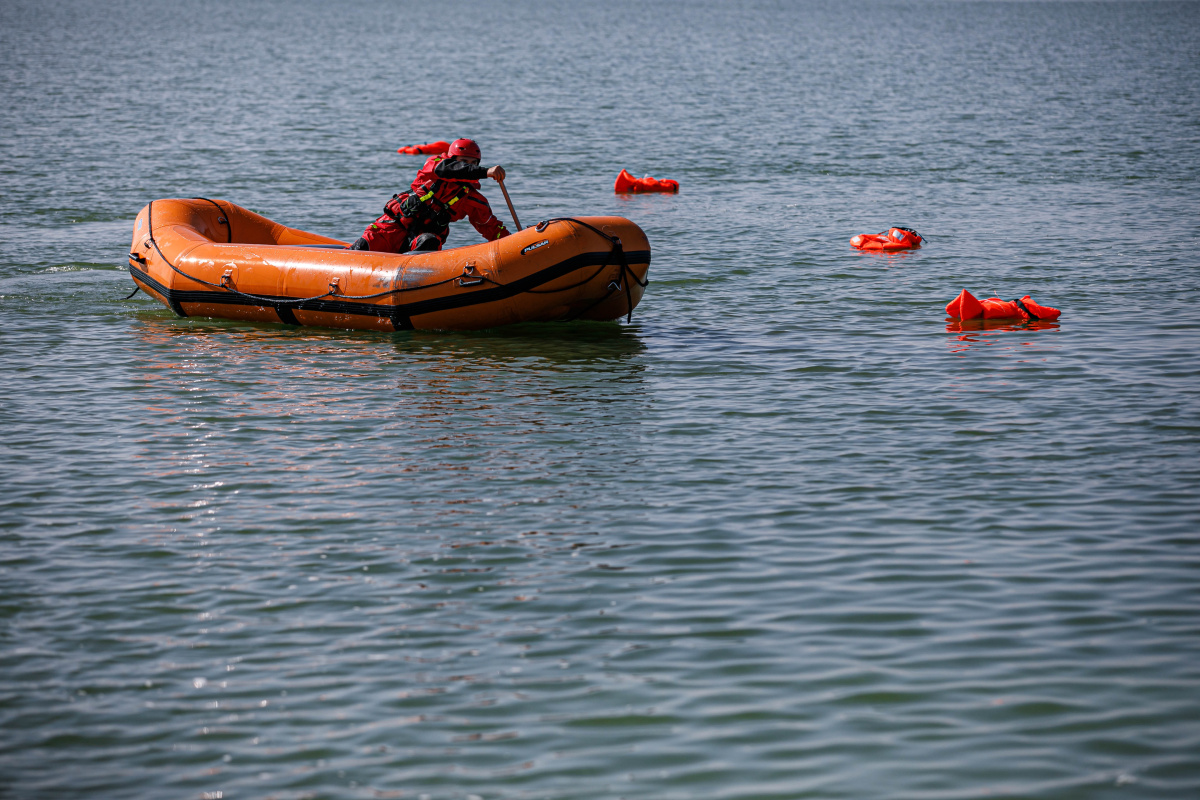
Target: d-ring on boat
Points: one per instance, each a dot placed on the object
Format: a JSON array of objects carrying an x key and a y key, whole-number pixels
[{"x": 211, "y": 258}]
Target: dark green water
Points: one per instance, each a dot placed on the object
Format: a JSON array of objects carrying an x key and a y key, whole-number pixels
[{"x": 786, "y": 535}]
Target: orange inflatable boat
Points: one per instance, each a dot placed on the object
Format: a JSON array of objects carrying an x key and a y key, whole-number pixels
[
  {"x": 966, "y": 306},
  {"x": 211, "y": 258},
  {"x": 892, "y": 239}
]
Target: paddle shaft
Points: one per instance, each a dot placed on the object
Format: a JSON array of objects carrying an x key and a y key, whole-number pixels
[{"x": 508, "y": 200}]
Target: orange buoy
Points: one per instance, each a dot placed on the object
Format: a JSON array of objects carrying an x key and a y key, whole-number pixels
[
  {"x": 211, "y": 258},
  {"x": 626, "y": 184},
  {"x": 894, "y": 238},
  {"x": 967, "y": 306},
  {"x": 431, "y": 149}
]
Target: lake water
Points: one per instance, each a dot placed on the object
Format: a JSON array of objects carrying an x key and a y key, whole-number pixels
[{"x": 788, "y": 534}]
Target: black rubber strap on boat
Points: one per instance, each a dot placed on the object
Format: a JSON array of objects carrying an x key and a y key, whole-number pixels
[
  {"x": 1025, "y": 308},
  {"x": 400, "y": 322},
  {"x": 588, "y": 279},
  {"x": 286, "y": 315},
  {"x": 625, "y": 275}
]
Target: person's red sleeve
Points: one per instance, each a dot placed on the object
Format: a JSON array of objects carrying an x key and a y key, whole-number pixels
[{"x": 479, "y": 211}]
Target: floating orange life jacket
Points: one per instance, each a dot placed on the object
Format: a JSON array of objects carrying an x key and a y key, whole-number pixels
[
  {"x": 967, "y": 306},
  {"x": 626, "y": 183},
  {"x": 892, "y": 239},
  {"x": 431, "y": 149}
]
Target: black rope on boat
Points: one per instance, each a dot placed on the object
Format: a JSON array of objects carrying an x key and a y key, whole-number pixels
[
  {"x": 273, "y": 301},
  {"x": 136, "y": 289},
  {"x": 224, "y": 284},
  {"x": 618, "y": 250},
  {"x": 222, "y": 218}
]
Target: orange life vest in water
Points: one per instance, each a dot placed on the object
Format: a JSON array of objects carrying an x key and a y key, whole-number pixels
[
  {"x": 967, "y": 306},
  {"x": 627, "y": 183},
  {"x": 431, "y": 149},
  {"x": 891, "y": 239}
]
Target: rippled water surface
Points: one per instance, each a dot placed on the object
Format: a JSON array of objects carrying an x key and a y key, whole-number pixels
[{"x": 787, "y": 534}]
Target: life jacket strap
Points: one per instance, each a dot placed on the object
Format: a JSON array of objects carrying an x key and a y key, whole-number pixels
[{"x": 1025, "y": 309}]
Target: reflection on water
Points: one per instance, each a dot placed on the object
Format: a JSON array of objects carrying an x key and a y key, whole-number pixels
[
  {"x": 888, "y": 257},
  {"x": 345, "y": 414},
  {"x": 555, "y": 342},
  {"x": 976, "y": 325},
  {"x": 983, "y": 332}
]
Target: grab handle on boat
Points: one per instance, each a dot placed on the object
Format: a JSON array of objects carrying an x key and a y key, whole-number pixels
[{"x": 470, "y": 277}]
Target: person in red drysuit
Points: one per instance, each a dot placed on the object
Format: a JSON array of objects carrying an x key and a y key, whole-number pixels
[{"x": 444, "y": 191}]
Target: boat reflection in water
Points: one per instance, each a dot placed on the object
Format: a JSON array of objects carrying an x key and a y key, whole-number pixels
[
  {"x": 272, "y": 404},
  {"x": 984, "y": 332}
]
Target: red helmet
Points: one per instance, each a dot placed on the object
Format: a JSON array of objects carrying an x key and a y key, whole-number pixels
[{"x": 465, "y": 147}]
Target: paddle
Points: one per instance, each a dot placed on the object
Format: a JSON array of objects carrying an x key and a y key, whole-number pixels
[{"x": 508, "y": 200}]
